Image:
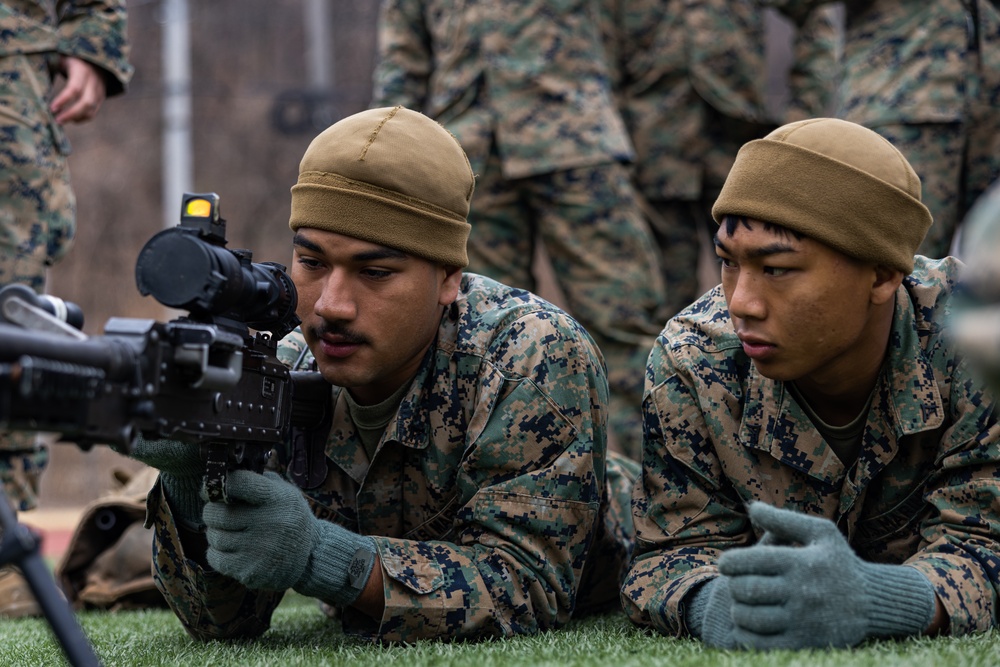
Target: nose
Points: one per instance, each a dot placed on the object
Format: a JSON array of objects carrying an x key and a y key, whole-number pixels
[
  {"x": 336, "y": 301},
  {"x": 744, "y": 298}
]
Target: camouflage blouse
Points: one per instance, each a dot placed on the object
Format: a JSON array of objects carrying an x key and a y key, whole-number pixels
[
  {"x": 913, "y": 61},
  {"x": 528, "y": 75},
  {"x": 94, "y": 31},
  {"x": 925, "y": 490},
  {"x": 486, "y": 496}
]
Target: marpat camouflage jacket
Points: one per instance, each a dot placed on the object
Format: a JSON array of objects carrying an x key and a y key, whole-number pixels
[
  {"x": 93, "y": 30},
  {"x": 486, "y": 496},
  {"x": 913, "y": 61},
  {"x": 527, "y": 74},
  {"x": 674, "y": 61},
  {"x": 925, "y": 490}
]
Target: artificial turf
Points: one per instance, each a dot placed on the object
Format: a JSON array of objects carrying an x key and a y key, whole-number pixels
[{"x": 301, "y": 635}]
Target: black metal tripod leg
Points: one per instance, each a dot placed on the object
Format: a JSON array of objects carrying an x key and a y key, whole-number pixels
[{"x": 19, "y": 545}]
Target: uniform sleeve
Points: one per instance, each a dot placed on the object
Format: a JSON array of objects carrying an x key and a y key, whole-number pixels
[
  {"x": 209, "y": 605},
  {"x": 534, "y": 473},
  {"x": 403, "y": 58},
  {"x": 960, "y": 548},
  {"x": 685, "y": 516},
  {"x": 95, "y": 31},
  {"x": 815, "y": 70}
]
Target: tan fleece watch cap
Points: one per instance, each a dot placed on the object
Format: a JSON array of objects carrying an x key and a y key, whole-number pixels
[
  {"x": 391, "y": 176},
  {"x": 834, "y": 181}
]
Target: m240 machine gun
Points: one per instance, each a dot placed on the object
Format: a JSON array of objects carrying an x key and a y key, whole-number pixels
[{"x": 209, "y": 379}]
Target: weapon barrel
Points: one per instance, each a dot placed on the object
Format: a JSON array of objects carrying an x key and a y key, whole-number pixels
[{"x": 116, "y": 358}]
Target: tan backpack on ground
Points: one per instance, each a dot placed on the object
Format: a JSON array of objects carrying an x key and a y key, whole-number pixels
[{"x": 108, "y": 563}]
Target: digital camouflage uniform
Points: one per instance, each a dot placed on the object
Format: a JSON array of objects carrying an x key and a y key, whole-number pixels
[
  {"x": 691, "y": 79},
  {"x": 487, "y": 495},
  {"x": 523, "y": 87},
  {"x": 37, "y": 206},
  {"x": 922, "y": 76},
  {"x": 925, "y": 489}
]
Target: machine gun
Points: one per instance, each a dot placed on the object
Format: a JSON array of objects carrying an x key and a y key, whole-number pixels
[{"x": 210, "y": 378}]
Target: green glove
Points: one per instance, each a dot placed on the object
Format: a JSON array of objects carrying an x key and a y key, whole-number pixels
[
  {"x": 709, "y": 614},
  {"x": 182, "y": 472},
  {"x": 266, "y": 537},
  {"x": 803, "y": 586}
]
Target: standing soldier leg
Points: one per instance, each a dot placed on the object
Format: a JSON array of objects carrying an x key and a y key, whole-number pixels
[
  {"x": 36, "y": 227},
  {"x": 37, "y": 213},
  {"x": 982, "y": 160},
  {"x": 936, "y": 151},
  {"x": 677, "y": 227},
  {"x": 604, "y": 259},
  {"x": 502, "y": 241}
]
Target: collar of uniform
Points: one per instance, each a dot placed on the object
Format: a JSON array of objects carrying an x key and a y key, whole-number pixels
[
  {"x": 914, "y": 396},
  {"x": 408, "y": 427},
  {"x": 775, "y": 424}
]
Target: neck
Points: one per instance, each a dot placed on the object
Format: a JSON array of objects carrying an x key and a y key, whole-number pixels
[{"x": 839, "y": 396}]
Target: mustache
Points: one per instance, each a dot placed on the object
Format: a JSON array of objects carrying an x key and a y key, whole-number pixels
[{"x": 337, "y": 329}]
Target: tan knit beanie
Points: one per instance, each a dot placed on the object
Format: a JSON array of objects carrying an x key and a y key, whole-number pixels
[
  {"x": 391, "y": 176},
  {"x": 834, "y": 181}
]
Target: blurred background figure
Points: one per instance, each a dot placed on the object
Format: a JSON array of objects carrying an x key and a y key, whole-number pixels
[
  {"x": 926, "y": 76},
  {"x": 59, "y": 60},
  {"x": 523, "y": 86},
  {"x": 691, "y": 79},
  {"x": 977, "y": 323}
]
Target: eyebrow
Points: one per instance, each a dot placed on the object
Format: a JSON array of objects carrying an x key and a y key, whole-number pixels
[
  {"x": 301, "y": 240},
  {"x": 775, "y": 248},
  {"x": 381, "y": 253},
  {"x": 365, "y": 256}
]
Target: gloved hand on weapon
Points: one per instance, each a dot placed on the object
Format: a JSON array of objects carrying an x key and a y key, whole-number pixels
[
  {"x": 803, "y": 586},
  {"x": 267, "y": 537},
  {"x": 182, "y": 472}
]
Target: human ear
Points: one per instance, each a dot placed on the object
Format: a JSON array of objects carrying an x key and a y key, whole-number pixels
[
  {"x": 887, "y": 281},
  {"x": 450, "y": 282}
]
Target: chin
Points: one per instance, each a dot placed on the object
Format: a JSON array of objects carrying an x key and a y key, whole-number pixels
[
  {"x": 332, "y": 374},
  {"x": 777, "y": 372}
]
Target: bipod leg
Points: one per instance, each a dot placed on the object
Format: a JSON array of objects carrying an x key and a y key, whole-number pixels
[{"x": 19, "y": 545}]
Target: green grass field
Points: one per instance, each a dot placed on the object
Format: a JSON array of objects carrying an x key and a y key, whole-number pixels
[{"x": 301, "y": 635}]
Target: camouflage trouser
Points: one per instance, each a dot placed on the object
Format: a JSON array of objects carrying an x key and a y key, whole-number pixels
[
  {"x": 679, "y": 227},
  {"x": 603, "y": 257},
  {"x": 36, "y": 224},
  {"x": 681, "y": 183},
  {"x": 37, "y": 206},
  {"x": 954, "y": 171},
  {"x": 622, "y": 474}
]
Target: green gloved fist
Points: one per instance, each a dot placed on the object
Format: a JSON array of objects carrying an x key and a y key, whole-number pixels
[
  {"x": 803, "y": 586},
  {"x": 182, "y": 472},
  {"x": 710, "y": 613},
  {"x": 266, "y": 537}
]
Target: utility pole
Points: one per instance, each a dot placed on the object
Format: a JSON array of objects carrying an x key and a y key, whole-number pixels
[
  {"x": 319, "y": 65},
  {"x": 176, "y": 60}
]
